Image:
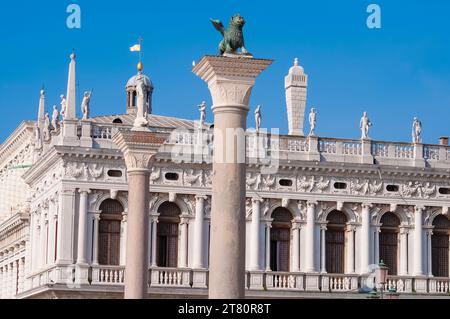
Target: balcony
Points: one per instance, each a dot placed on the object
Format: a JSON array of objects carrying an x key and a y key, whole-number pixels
[{"x": 173, "y": 281}]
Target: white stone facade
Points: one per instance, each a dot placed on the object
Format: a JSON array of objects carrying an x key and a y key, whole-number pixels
[{"x": 51, "y": 216}]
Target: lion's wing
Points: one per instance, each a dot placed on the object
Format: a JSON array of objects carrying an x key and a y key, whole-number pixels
[{"x": 218, "y": 25}]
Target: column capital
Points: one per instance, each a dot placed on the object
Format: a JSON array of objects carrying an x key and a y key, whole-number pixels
[
  {"x": 312, "y": 204},
  {"x": 350, "y": 228},
  {"x": 366, "y": 205},
  {"x": 257, "y": 200},
  {"x": 419, "y": 209},
  {"x": 139, "y": 148},
  {"x": 230, "y": 80},
  {"x": 404, "y": 230},
  {"x": 84, "y": 191},
  {"x": 201, "y": 197}
]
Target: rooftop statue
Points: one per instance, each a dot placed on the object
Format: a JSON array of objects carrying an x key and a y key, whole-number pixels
[{"x": 233, "y": 37}]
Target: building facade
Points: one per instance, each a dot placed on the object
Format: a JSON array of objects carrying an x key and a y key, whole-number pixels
[{"x": 321, "y": 213}]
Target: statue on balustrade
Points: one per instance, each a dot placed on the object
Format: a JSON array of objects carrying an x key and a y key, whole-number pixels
[
  {"x": 417, "y": 131},
  {"x": 63, "y": 106},
  {"x": 202, "y": 109},
  {"x": 365, "y": 125},
  {"x": 312, "y": 122},
  {"x": 85, "y": 104}
]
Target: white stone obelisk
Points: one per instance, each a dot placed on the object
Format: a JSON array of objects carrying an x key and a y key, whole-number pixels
[
  {"x": 41, "y": 113},
  {"x": 69, "y": 126},
  {"x": 230, "y": 81}
]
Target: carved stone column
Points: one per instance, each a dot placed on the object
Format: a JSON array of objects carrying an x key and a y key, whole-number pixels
[
  {"x": 82, "y": 227},
  {"x": 403, "y": 251},
  {"x": 123, "y": 238},
  {"x": 230, "y": 81},
  {"x": 429, "y": 252},
  {"x": 154, "y": 238},
  {"x": 96, "y": 217},
  {"x": 309, "y": 238},
  {"x": 198, "y": 235},
  {"x": 365, "y": 238},
  {"x": 183, "y": 242},
  {"x": 296, "y": 226},
  {"x": 351, "y": 249},
  {"x": 323, "y": 266},
  {"x": 139, "y": 149},
  {"x": 254, "y": 241},
  {"x": 268, "y": 226},
  {"x": 418, "y": 251}
]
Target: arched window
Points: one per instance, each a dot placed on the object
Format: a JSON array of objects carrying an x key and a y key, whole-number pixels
[
  {"x": 389, "y": 241},
  {"x": 280, "y": 235},
  {"x": 167, "y": 235},
  {"x": 335, "y": 242},
  {"x": 439, "y": 246},
  {"x": 109, "y": 232}
]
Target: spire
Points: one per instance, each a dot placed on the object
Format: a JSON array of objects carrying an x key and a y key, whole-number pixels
[
  {"x": 71, "y": 90},
  {"x": 41, "y": 113}
]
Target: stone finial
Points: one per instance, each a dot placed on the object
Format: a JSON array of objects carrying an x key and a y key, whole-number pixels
[{"x": 296, "y": 62}]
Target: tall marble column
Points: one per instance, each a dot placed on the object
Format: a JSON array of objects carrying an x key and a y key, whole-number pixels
[
  {"x": 268, "y": 226},
  {"x": 43, "y": 238},
  {"x": 96, "y": 217},
  {"x": 82, "y": 227},
  {"x": 309, "y": 237},
  {"x": 296, "y": 226},
  {"x": 365, "y": 238},
  {"x": 429, "y": 252},
  {"x": 230, "y": 81},
  {"x": 377, "y": 231},
  {"x": 51, "y": 231},
  {"x": 403, "y": 251},
  {"x": 323, "y": 266},
  {"x": 418, "y": 254},
  {"x": 154, "y": 220},
  {"x": 139, "y": 149},
  {"x": 183, "y": 260},
  {"x": 21, "y": 275},
  {"x": 255, "y": 227},
  {"x": 351, "y": 249},
  {"x": 123, "y": 238},
  {"x": 199, "y": 223}
]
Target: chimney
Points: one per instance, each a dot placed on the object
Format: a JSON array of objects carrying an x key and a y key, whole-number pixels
[{"x": 443, "y": 141}]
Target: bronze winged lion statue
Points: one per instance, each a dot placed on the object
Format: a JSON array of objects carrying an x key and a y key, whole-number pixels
[{"x": 233, "y": 37}]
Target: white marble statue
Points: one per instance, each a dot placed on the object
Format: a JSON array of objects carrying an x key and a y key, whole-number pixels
[
  {"x": 141, "y": 113},
  {"x": 55, "y": 118},
  {"x": 365, "y": 125},
  {"x": 417, "y": 131},
  {"x": 202, "y": 109},
  {"x": 85, "y": 104},
  {"x": 258, "y": 118},
  {"x": 312, "y": 122},
  {"x": 46, "y": 128},
  {"x": 37, "y": 138},
  {"x": 63, "y": 106}
]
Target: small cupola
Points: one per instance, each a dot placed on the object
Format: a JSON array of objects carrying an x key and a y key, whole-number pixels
[{"x": 131, "y": 90}]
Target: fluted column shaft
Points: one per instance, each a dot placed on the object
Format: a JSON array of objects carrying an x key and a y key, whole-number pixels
[
  {"x": 254, "y": 241},
  {"x": 418, "y": 254},
  {"x": 365, "y": 238}
]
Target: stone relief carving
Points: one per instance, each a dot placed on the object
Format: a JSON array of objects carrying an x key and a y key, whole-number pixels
[
  {"x": 410, "y": 189},
  {"x": 253, "y": 181},
  {"x": 85, "y": 171},
  {"x": 269, "y": 182},
  {"x": 155, "y": 175},
  {"x": 305, "y": 185},
  {"x": 96, "y": 171},
  {"x": 191, "y": 178},
  {"x": 322, "y": 185}
]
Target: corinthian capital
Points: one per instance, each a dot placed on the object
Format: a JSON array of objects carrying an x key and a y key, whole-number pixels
[{"x": 139, "y": 148}]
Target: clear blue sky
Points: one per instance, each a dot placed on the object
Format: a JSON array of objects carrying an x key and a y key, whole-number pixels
[{"x": 400, "y": 71}]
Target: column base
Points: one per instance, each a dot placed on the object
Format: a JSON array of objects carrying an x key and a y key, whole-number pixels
[{"x": 200, "y": 278}]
